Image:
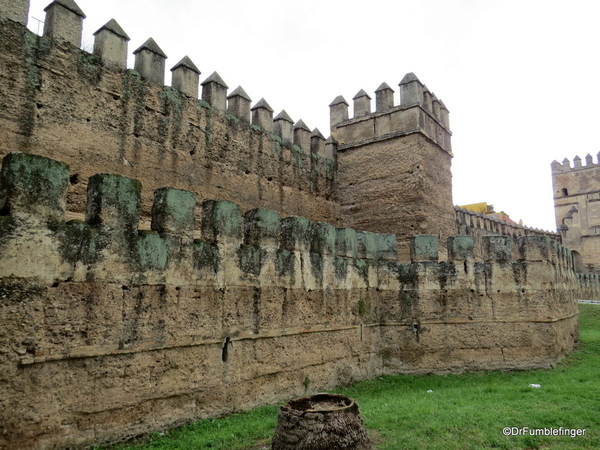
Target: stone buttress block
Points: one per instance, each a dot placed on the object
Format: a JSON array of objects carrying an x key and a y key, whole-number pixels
[
  {"x": 173, "y": 212},
  {"x": 34, "y": 241},
  {"x": 322, "y": 250},
  {"x": 294, "y": 253},
  {"x": 257, "y": 256},
  {"x": 497, "y": 248},
  {"x": 110, "y": 248},
  {"x": 34, "y": 187},
  {"x": 222, "y": 226},
  {"x": 346, "y": 244},
  {"x": 424, "y": 248}
]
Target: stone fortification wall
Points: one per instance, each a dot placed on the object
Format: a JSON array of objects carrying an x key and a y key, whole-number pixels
[
  {"x": 478, "y": 225},
  {"x": 394, "y": 163},
  {"x": 110, "y": 331},
  {"x": 91, "y": 112},
  {"x": 577, "y": 209}
]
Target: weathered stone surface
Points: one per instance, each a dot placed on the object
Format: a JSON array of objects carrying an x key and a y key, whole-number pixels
[{"x": 112, "y": 329}]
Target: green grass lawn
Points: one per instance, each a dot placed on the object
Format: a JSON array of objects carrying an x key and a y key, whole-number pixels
[{"x": 467, "y": 411}]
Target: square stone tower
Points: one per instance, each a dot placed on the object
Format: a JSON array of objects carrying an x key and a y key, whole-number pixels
[
  {"x": 394, "y": 163},
  {"x": 577, "y": 210}
]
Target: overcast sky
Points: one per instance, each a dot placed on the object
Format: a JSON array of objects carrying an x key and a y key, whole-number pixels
[{"x": 521, "y": 78}]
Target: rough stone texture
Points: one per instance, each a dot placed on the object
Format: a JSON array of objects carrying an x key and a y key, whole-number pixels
[
  {"x": 577, "y": 210},
  {"x": 118, "y": 326},
  {"x": 477, "y": 226},
  {"x": 67, "y": 104},
  {"x": 110, "y": 332},
  {"x": 390, "y": 186}
]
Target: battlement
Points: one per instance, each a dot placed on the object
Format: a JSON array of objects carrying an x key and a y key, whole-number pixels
[
  {"x": 33, "y": 198},
  {"x": 565, "y": 166},
  {"x": 225, "y": 311},
  {"x": 233, "y": 247},
  {"x": 467, "y": 222},
  {"x": 91, "y": 112},
  {"x": 419, "y": 111}
]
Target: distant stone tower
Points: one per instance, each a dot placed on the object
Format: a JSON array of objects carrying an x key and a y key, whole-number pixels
[
  {"x": 577, "y": 210},
  {"x": 394, "y": 163}
]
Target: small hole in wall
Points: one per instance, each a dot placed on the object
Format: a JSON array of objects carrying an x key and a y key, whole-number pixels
[
  {"x": 270, "y": 179},
  {"x": 225, "y": 350},
  {"x": 39, "y": 106},
  {"x": 522, "y": 291},
  {"x": 74, "y": 179},
  {"x": 246, "y": 172}
]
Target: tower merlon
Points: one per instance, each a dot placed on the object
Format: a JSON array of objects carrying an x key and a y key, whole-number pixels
[
  {"x": 384, "y": 97},
  {"x": 317, "y": 143},
  {"x": 338, "y": 111},
  {"x": 330, "y": 148},
  {"x": 214, "y": 92},
  {"x": 362, "y": 104},
  {"x": 186, "y": 77},
  {"x": 15, "y": 10},
  {"x": 411, "y": 90},
  {"x": 64, "y": 21},
  {"x": 262, "y": 115},
  {"x": 302, "y": 136},
  {"x": 283, "y": 127},
  {"x": 110, "y": 44},
  {"x": 420, "y": 111},
  {"x": 150, "y": 62},
  {"x": 238, "y": 104}
]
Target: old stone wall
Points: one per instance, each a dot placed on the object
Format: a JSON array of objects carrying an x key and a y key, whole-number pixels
[
  {"x": 110, "y": 331},
  {"x": 478, "y": 225},
  {"x": 132, "y": 301},
  {"x": 577, "y": 209},
  {"x": 59, "y": 101},
  {"x": 394, "y": 164}
]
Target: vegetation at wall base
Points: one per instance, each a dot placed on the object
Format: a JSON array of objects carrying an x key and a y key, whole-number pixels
[{"x": 446, "y": 412}]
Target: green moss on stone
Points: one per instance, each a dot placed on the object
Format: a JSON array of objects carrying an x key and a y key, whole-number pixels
[
  {"x": 173, "y": 211},
  {"x": 285, "y": 264},
  {"x": 34, "y": 184},
  {"x": 221, "y": 218},
  {"x": 251, "y": 259},
  {"x": 152, "y": 251},
  {"x": 206, "y": 256},
  {"x": 90, "y": 66}
]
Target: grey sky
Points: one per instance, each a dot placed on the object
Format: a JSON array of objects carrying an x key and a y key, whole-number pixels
[{"x": 520, "y": 77}]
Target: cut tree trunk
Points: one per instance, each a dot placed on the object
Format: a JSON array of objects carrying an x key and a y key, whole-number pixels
[{"x": 320, "y": 422}]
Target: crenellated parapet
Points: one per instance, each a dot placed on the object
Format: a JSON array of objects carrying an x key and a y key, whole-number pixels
[
  {"x": 566, "y": 166},
  {"x": 419, "y": 111},
  {"x": 232, "y": 248},
  {"x": 239, "y": 306},
  {"x": 197, "y": 134},
  {"x": 478, "y": 225}
]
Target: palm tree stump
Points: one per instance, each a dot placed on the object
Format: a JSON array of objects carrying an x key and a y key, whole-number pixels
[{"x": 320, "y": 422}]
